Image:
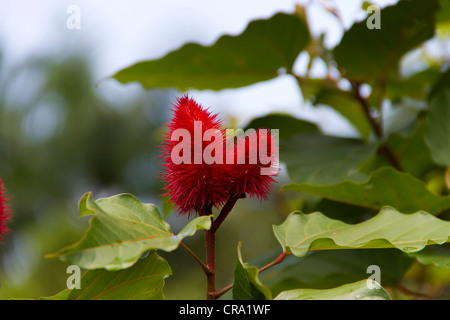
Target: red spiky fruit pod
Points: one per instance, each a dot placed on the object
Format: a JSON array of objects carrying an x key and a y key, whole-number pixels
[
  {"x": 192, "y": 187},
  {"x": 5, "y": 213}
]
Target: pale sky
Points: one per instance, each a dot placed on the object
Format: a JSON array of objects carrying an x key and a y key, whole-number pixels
[{"x": 116, "y": 34}]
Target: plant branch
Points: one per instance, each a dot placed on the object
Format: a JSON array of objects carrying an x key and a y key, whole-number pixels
[
  {"x": 278, "y": 260},
  {"x": 200, "y": 262},
  {"x": 222, "y": 291},
  {"x": 210, "y": 241},
  {"x": 384, "y": 149},
  {"x": 226, "y": 209},
  {"x": 210, "y": 245},
  {"x": 365, "y": 105}
]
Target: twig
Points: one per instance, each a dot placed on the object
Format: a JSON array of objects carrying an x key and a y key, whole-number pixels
[
  {"x": 210, "y": 245},
  {"x": 278, "y": 260},
  {"x": 365, "y": 105},
  {"x": 192, "y": 253},
  {"x": 222, "y": 291},
  {"x": 384, "y": 149},
  {"x": 226, "y": 209}
]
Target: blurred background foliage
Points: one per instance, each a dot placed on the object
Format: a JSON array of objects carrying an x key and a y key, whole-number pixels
[{"x": 60, "y": 138}]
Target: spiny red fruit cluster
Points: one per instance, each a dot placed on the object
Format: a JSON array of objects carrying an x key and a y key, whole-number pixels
[
  {"x": 4, "y": 211},
  {"x": 198, "y": 187}
]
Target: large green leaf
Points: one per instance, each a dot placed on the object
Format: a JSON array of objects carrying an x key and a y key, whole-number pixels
[
  {"x": 352, "y": 291},
  {"x": 386, "y": 186},
  {"x": 319, "y": 159},
  {"x": 437, "y": 134},
  {"x": 372, "y": 54},
  {"x": 332, "y": 268},
  {"x": 121, "y": 229},
  {"x": 142, "y": 281},
  {"x": 233, "y": 61},
  {"x": 247, "y": 285},
  {"x": 301, "y": 232}
]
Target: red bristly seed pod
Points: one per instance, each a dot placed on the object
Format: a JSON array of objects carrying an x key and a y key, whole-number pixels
[
  {"x": 193, "y": 184},
  {"x": 248, "y": 178},
  {"x": 5, "y": 213},
  {"x": 193, "y": 187}
]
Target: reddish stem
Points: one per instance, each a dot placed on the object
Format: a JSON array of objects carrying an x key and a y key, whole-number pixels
[
  {"x": 210, "y": 244},
  {"x": 210, "y": 240},
  {"x": 278, "y": 260},
  {"x": 226, "y": 209}
]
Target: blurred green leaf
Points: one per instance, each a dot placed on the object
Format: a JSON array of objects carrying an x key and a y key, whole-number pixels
[
  {"x": 301, "y": 232},
  {"x": 437, "y": 135},
  {"x": 247, "y": 285},
  {"x": 143, "y": 281},
  {"x": 435, "y": 255},
  {"x": 315, "y": 158},
  {"x": 233, "y": 61},
  {"x": 412, "y": 151},
  {"x": 345, "y": 103},
  {"x": 121, "y": 230},
  {"x": 352, "y": 291},
  {"x": 367, "y": 54},
  {"x": 287, "y": 124},
  {"x": 440, "y": 84},
  {"x": 444, "y": 13},
  {"x": 416, "y": 86},
  {"x": 386, "y": 186},
  {"x": 332, "y": 268},
  {"x": 365, "y": 5},
  {"x": 63, "y": 295}
]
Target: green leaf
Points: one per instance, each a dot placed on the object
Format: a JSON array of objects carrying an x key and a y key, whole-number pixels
[
  {"x": 345, "y": 103},
  {"x": 233, "y": 61},
  {"x": 386, "y": 186},
  {"x": 121, "y": 229},
  {"x": 352, "y": 291},
  {"x": 332, "y": 268},
  {"x": 247, "y": 285},
  {"x": 372, "y": 54},
  {"x": 365, "y": 5},
  {"x": 301, "y": 232},
  {"x": 319, "y": 159},
  {"x": 63, "y": 295},
  {"x": 412, "y": 151},
  {"x": 437, "y": 135},
  {"x": 435, "y": 255},
  {"x": 443, "y": 18},
  {"x": 440, "y": 84},
  {"x": 416, "y": 86},
  {"x": 288, "y": 125},
  {"x": 143, "y": 281}
]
